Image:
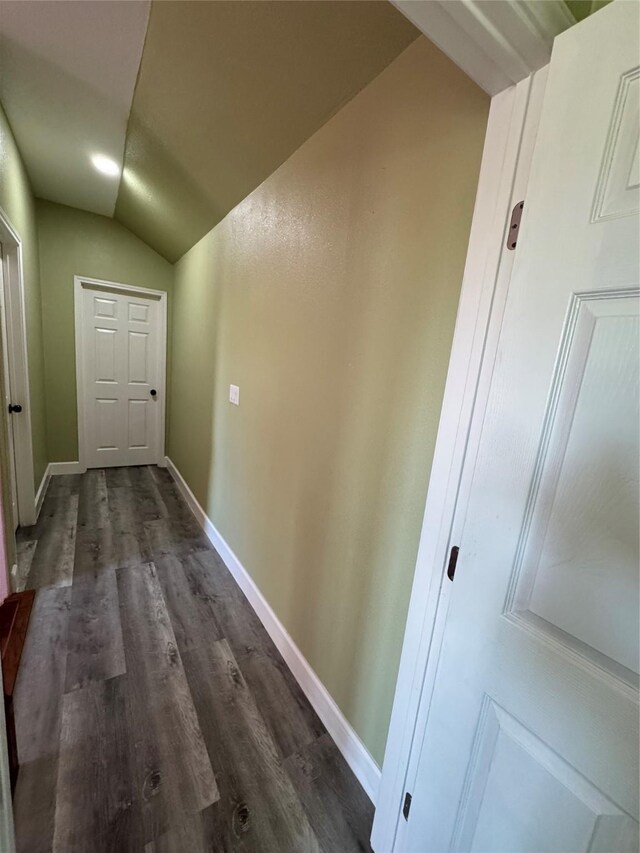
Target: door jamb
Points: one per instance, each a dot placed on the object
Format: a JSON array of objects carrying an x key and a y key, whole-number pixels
[
  {"x": 12, "y": 511},
  {"x": 79, "y": 283},
  {"x": 13, "y": 277},
  {"x": 511, "y": 132}
]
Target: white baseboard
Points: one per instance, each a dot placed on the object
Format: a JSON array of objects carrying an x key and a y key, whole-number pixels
[
  {"x": 52, "y": 470},
  {"x": 354, "y": 751},
  {"x": 42, "y": 491},
  {"x": 56, "y": 468}
]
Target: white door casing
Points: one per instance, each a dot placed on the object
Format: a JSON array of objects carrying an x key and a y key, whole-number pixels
[
  {"x": 531, "y": 740},
  {"x": 7, "y": 400},
  {"x": 18, "y": 369},
  {"x": 120, "y": 359}
]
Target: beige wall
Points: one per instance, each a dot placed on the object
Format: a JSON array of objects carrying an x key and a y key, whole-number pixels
[
  {"x": 74, "y": 242},
  {"x": 16, "y": 199},
  {"x": 329, "y": 296}
]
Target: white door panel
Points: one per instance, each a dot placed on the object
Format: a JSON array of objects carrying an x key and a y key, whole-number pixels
[
  {"x": 583, "y": 513},
  {"x": 122, "y": 363},
  {"x": 107, "y": 424},
  {"x": 138, "y": 425},
  {"x": 104, "y": 366},
  {"x": 103, "y": 307},
  {"x": 138, "y": 358},
  {"x": 618, "y": 192},
  {"x": 531, "y": 742},
  {"x": 512, "y": 765},
  {"x": 139, "y": 311}
]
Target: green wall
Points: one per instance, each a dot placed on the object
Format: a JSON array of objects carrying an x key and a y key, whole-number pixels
[
  {"x": 16, "y": 199},
  {"x": 329, "y": 296},
  {"x": 581, "y": 9},
  {"x": 74, "y": 242}
]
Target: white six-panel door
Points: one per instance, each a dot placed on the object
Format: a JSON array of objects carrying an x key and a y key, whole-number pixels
[
  {"x": 121, "y": 372},
  {"x": 531, "y": 742}
]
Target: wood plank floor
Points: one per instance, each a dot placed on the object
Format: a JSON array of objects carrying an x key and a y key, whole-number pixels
[{"x": 153, "y": 712}]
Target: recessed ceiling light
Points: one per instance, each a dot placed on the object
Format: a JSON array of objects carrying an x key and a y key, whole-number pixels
[{"x": 105, "y": 165}]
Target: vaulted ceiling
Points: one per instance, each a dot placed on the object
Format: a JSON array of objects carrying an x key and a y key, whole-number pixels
[
  {"x": 67, "y": 77},
  {"x": 198, "y": 102}
]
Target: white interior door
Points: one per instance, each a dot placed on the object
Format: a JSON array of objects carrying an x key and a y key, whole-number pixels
[
  {"x": 7, "y": 398},
  {"x": 121, "y": 406},
  {"x": 531, "y": 741}
]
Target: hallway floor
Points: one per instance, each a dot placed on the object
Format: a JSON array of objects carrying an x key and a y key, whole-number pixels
[{"x": 154, "y": 714}]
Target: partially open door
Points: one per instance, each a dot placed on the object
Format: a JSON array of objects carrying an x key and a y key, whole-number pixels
[{"x": 531, "y": 741}]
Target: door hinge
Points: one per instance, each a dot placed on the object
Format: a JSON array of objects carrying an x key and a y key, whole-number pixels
[
  {"x": 514, "y": 225},
  {"x": 406, "y": 808},
  {"x": 453, "y": 561}
]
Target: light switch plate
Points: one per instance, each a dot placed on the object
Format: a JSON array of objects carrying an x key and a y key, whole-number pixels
[{"x": 234, "y": 394}]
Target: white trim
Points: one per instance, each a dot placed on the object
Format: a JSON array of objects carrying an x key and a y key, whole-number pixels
[
  {"x": 18, "y": 368},
  {"x": 42, "y": 489},
  {"x": 511, "y": 133},
  {"x": 354, "y": 751},
  {"x": 6, "y": 400},
  {"x": 496, "y": 44},
  {"x": 79, "y": 281},
  {"x": 54, "y": 469},
  {"x": 57, "y": 468}
]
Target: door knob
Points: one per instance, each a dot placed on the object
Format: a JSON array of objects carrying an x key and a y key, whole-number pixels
[
  {"x": 153, "y": 392},
  {"x": 17, "y": 409}
]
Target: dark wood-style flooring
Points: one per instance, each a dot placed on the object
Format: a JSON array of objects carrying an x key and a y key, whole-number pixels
[{"x": 153, "y": 712}]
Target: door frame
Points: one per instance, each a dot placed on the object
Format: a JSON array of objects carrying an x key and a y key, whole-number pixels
[
  {"x": 18, "y": 367},
  {"x": 80, "y": 283},
  {"x": 12, "y": 511},
  {"x": 509, "y": 142}
]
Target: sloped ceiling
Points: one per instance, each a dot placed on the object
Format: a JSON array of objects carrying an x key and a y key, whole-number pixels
[
  {"x": 67, "y": 76},
  {"x": 226, "y": 92}
]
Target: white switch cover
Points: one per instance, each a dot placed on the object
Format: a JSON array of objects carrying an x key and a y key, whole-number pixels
[{"x": 234, "y": 394}]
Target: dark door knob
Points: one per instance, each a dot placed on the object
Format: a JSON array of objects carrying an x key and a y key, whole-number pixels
[
  {"x": 153, "y": 392},
  {"x": 16, "y": 409}
]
